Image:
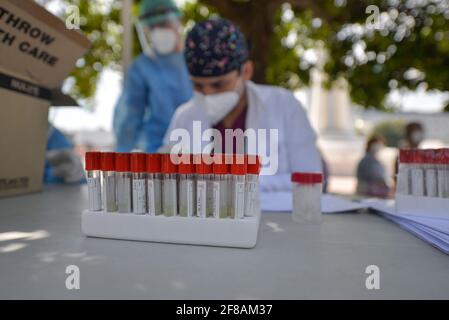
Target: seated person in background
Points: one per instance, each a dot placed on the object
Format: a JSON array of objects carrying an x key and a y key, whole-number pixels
[
  {"x": 217, "y": 58},
  {"x": 371, "y": 177},
  {"x": 62, "y": 165}
]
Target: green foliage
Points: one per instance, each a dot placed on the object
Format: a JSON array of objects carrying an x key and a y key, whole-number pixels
[
  {"x": 392, "y": 131},
  {"x": 409, "y": 50}
]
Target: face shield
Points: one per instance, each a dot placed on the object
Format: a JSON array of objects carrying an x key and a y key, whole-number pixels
[{"x": 162, "y": 38}]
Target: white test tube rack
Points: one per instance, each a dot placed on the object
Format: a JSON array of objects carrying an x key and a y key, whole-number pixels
[{"x": 239, "y": 233}]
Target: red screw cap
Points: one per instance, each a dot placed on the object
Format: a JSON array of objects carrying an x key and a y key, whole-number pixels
[
  {"x": 442, "y": 156},
  {"x": 201, "y": 167},
  {"x": 238, "y": 166},
  {"x": 220, "y": 166},
  {"x": 108, "y": 161},
  {"x": 123, "y": 162},
  {"x": 252, "y": 164},
  {"x": 167, "y": 166},
  {"x": 405, "y": 156},
  {"x": 307, "y": 177},
  {"x": 138, "y": 162},
  {"x": 93, "y": 160},
  {"x": 154, "y": 163},
  {"x": 186, "y": 165}
]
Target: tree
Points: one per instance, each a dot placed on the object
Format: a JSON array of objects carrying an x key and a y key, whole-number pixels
[{"x": 377, "y": 45}]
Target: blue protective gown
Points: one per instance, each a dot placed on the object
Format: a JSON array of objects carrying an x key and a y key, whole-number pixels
[
  {"x": 154, "y": 88},
  {"x": 56, "y": 141}
]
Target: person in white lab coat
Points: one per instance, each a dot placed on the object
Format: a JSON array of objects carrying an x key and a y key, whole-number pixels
[{"x": 225, "y": 98}]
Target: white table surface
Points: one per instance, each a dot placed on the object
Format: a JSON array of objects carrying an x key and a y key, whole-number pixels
[{"x": 40, "y": 236}]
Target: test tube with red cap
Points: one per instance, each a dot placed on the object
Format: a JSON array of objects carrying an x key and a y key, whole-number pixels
[
  {"x": 430, "y": 173},
  {"x": 220, "y": 188},
  {"x": 138, "y": 169},
  {"x": 124, "y": 182},
  {"x": 442, "y": 165},
  {"x": 403, "y": 182},
  {"x": 307, "y": 189},
  {"x": 252, "y": 184},
  {"x": 186, "y": 170},
  {"x": 202, "y": 170},
  {"x": 416, "y": 173},
  {"x": 93, "y": 167},
  {"x": 109, "y": 181},
  {"x": 238, "y": 172},
  {"x": 154, "y": 183},
  {"x": 169, "y": 171}
]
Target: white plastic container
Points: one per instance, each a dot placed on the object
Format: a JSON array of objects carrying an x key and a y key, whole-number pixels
[{"x": 307, "y": 189}]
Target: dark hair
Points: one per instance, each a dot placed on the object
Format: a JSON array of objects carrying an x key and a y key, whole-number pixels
[
  {"x": 374, "y": 139},
  {"x": 412, "y": 126}
]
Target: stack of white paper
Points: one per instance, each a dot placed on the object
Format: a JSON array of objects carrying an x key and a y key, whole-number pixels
[
  {"x": 434, "y": 230},
  {"x": 282, "y": 201}
]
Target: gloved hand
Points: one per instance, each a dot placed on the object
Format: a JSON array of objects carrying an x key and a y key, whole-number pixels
[{"x": 66, "y": 165}]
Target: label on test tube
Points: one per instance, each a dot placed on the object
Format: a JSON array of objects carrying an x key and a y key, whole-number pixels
[
  {"x": 189, "y": 198},
  {"x": 431, "y": 182},
  {"x": 216, "y": 199},
  {"x": 239, "y": 196},
  {"x": 250, "y": 198},
  {"x": 201, "y": 199},
  {"x": 151, "y": 200},
  {"x": 139, "y": 196},
  {"x": 417, "y": 182},
  {"x": 110, "y": 202},
  {"x": 94, "y": 187}
]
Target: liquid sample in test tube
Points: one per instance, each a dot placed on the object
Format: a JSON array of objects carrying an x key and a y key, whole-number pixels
[
  {"x": 404, "y": 172},
  {"x": 430, "y": 173},
  {"x": 169, "y": 171},
  {"x": 442, "y": 164},
  {"x": 186, "y": 197},
  {"x": 202, "y": 171},
  {"x": 154, "y": 184},
  {"x": 238, "y": 172},
  {"x": 416, "y": 174},
  {"x": 138, "y": 168},
  {"x": 220, "y": 188},
  {"x": 109, "y": 181},
  {"x": 252, "y": 185},
  {"x": 124, "y": 182},
  {"x": 93, "y": 167}
]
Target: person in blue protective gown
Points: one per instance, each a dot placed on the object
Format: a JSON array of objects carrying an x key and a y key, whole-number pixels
[
  {"x": 157, "y": 82},
  {"x": 62, "y": 165}
]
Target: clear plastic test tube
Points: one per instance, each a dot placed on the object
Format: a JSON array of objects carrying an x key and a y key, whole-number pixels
[
  {"x": 202, "y": 171},
  {"x": 252, "y": 185},
  {"x": 416, "y": 174},
  {"x": 93, "y": 167},
  {"x": 430, "y": 173},
  {"x": 186, "y": 196},
  {"x": 220, "y": 188},
  {"x": 138, "y": 168},
  {"x": 169, "y": 186},
  {"x": 109, "y": 181},
  {"x": 442, "y": 165},
  {"x": 404, "y": 169},
  {"x": 124, "y": 182},
  {"x": 238, "y": 172},
  {"x": 154, "y": 184}
]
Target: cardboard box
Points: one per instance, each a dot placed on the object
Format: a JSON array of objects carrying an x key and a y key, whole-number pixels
[{"x": 37, "y": 52}]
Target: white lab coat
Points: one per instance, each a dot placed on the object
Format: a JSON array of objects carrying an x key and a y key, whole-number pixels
[{"x": 269, "y": 107}]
